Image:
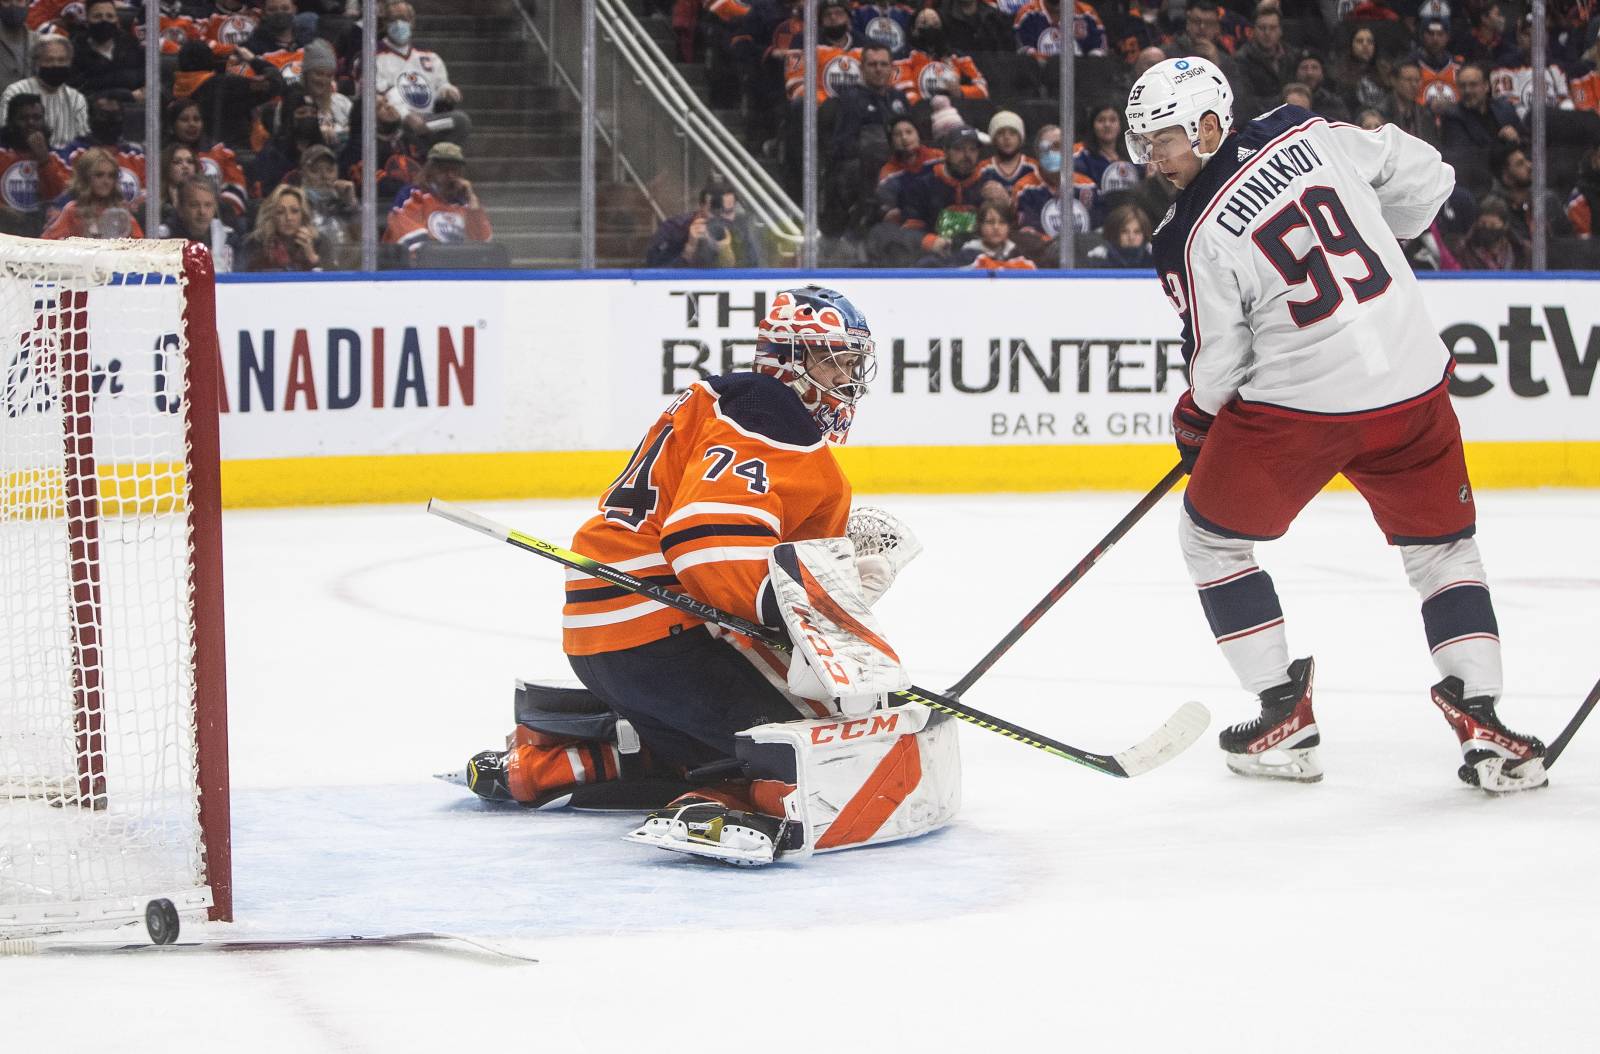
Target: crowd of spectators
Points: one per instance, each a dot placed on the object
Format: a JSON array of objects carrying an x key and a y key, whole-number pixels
[
  {"x": 938, "y": 136},
  {"x": 260, "y": 154}
]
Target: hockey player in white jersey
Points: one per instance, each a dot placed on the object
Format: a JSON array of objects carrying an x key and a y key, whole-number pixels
[{"x": 1310, "y": 354}]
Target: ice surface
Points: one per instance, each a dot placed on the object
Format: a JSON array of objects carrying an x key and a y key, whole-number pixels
[{"x": 1385, "y": 909}]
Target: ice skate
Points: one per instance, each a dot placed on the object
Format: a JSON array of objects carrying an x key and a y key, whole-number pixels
[
  {"x": 1281, "y": 743},
  {"x": 1497, "y": 760},
  {"x": 486, "y": 775},
  {"x": 702, "y": 827}
]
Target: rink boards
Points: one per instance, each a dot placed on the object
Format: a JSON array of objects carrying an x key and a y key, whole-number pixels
[{"x": 530, "y": 384}]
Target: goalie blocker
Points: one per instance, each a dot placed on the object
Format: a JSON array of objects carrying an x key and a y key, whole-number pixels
[{"x": 861, "y": 775}]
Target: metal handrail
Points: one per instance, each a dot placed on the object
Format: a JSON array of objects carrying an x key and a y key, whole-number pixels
[{"x": 741, "y": 169}]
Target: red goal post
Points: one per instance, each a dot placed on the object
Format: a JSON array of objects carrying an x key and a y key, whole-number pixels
[{"x": 113, "y": 703}]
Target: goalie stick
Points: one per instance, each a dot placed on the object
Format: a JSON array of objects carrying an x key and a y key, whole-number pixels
[
  {"x": 1166, "y": 743},
  {"x": 425, "y": 940},
  {"x": 1103, "y": 546}
]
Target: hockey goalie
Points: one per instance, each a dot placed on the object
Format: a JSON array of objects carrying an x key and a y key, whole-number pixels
[{"x": 739, "y": 752}]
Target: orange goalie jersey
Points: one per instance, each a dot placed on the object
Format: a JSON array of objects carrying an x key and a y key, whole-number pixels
[{"x": 732, "y": 467}]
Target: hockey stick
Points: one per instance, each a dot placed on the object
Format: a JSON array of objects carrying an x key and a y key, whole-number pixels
[
  {"x": 1103, "y": 546},
  {"x": 1567, "y": 733},
  {"x": 428, "y": 940},
  {"x": 1166, "y": 743}
]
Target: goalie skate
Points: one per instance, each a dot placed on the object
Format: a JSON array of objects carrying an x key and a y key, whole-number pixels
[
  {"x": 1496, "y": 759},
  {"x": 1282, "y": 742},
  {"x": 711, "y": 829}
]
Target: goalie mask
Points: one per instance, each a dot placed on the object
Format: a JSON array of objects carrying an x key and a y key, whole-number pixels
[
  {"x": 818, "y": 343},
  {"x": 1177, "y": 92}
]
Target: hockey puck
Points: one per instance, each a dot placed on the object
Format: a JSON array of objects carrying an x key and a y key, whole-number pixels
[{"x": 161, "y": 920}]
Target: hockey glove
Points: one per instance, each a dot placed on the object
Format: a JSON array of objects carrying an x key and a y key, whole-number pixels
[{"x": 1189, "y": 427}]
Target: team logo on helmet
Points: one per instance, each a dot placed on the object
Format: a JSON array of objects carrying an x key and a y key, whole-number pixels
[
  {"x": 415, "y": 90},
  {"x": 447, "y": 226},
  {"x": 1181, "y": 64},
  {"x": 19, "y": 186}
]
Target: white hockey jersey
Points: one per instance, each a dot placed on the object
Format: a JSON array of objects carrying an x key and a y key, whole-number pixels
[
  {"x": 1282, "y": 261},
  {"x": 412, "y": 81}
]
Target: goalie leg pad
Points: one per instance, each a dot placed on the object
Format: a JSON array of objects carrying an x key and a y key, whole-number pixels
[{"x": 892, "y": 774}]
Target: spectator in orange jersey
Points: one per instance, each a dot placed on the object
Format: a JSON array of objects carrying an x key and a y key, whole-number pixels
[
  {"x": 934, "y": 68},
  {"x": 907, "y": 158},
  {"x": 838, "y": 55},
  {"x": 1583, "y": 79},
  {"x": 105, "y": 130},
  {"x": 442, "y": 208},
  {"x": 284, "y": 238},
  {"x": 30, "y": 174},
  {"x": 993, "y": 249},
  {"x": 97, "y": 208},
  {"x": 1437, "y": 66},
  {"x": 226, "y": 99}
]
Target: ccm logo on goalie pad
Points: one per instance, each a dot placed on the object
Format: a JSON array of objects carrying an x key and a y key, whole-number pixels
[
  {"x": 819, "y": 644},
  {"x": 860, "y": 728}
]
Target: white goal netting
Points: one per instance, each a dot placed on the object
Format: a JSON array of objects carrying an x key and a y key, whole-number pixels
[{"x": 99, "y": 795}]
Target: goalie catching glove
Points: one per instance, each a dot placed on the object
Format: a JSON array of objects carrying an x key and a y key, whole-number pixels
[
  {"x": 840, "y": 654},
  {"x": 884, "y": 546}
]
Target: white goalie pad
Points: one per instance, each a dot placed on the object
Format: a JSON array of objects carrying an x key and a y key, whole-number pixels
[
  {"x": 892, "y": 774},
  {"x": 846, "y": 658}
]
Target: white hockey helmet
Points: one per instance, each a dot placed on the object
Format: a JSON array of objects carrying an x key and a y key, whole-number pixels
[{"x": 1176, "y": 92}]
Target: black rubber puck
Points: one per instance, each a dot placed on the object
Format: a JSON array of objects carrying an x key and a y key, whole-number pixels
[{"x": 161, "y": 920}]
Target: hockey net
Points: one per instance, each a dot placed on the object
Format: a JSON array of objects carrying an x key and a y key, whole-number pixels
[{"x": 113, "y": 733}]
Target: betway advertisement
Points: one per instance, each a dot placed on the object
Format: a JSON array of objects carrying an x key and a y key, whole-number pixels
[{"x": 364, "y": 368}]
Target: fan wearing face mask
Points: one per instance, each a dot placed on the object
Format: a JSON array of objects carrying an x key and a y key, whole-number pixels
[
  {"x": 66, "y": 111},
  {"x": 281, "y": 29},
  {"x": 415, "y": 80},
  {"x": 106, "y": 56}
]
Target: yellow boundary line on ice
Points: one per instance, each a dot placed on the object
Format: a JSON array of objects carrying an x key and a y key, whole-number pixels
[{"x": 902, "y": 470}]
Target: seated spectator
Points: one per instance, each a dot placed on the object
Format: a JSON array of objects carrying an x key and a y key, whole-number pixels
[
  {"x": 226, "y": 99},
  {"x": 1324, "y": 103},
  {"x": 333, "y": 108},
  {"x": 838, "y": 55},
  {"x": 1009, "y": 166},
  {"x": 935, "y": 210},
  {"x": 1583, "y": 205},
  {"x": 1125, "y": 239},
  {"x": 443, "y": 207},
  {"x": 1513, "y": 172},
  {"x": 97, "y": 208},
  {"x": 1512, "y": 80},
  {"x": 279, "y": 30},
  {"x": 333, "y": 205},
  {"x": 229, "y": 23},
  {"x": 1037, "y": 27},
  {"x": 1039, "y": 203},
  {"x": 283, "y": 239},
  {"x": 976, "y": 26},
  {"x": 1437, "y": 65},
  {"x": 888, "y": 24},
  {"x": 1263, "y": 63},
  {"x": 1296, "y": 94},
  {"x": 29, "y": 173},
  {"x": 416, "y": 82},
  {"x": 185, "y": 127},
  {"x": 1490, "y": 245},
  {"x": 1103, "y": 158},
  {"x": 195, "y": 219},
  {"x": 993, "y": 249},
  {"x": 1583, "y": 79},
  {"x": 860, "y": 142},
  {"x": 178, "y": 166},
  {"x": 105, "y": 131},
  {"x": 296, "y": 128},
  {"x": 1362, "y": 78},
  {"x": 1487, "y": 41},
  {"x": 1370, "y": 120},
  {"x": 1202, "y": 36},
  {"x": 907, "y": 158},
  {"x": 1471, "y": 128},
  {"x": 934, "y": 68},
  {"x": 107, "y": 58},
  {"x": 16, "y": 42},
  {"x": 710, "y": 236},
  {"x": 400, "y": 156},
  {"x": 1402, "y": 108},
  {"x": 66, "y": 112}
]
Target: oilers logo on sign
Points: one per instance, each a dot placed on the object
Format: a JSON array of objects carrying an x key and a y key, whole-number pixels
[
  {"x": 19, "y": 186},
  {"x": 236, "y": 29},
  {"x": 840, "y": 72},
  {"x": 447, "y": 226},
  {"x": 415, "y": 90}
]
